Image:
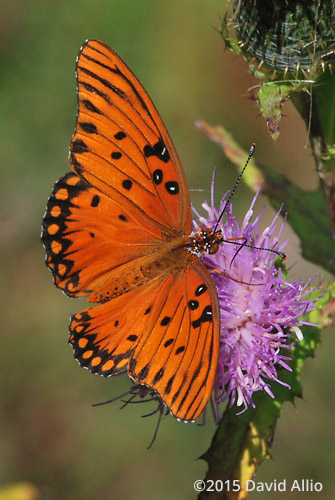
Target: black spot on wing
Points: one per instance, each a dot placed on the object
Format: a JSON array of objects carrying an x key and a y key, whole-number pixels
[
  {"x": 120, "y": 135},
  {"x": 127, "y": 184},
  {"x": 206, "y": 316},
  {"x": 165, "y": 321},
  {"x": 95, "y": 201},
  {"x": 90, "y": 107},
  {"x": 79, "y": 146},
  {"x": 75, "y": 163},
  {"x": 200, "y": 290},
  {"x": 116, "y": 155},
  {"x": 193, "y": 304},
  {"x": 157, "y": 176},
  {"x": 90, "y": 128},
  {"x": 172, "y": 187},
  {"x": 143, "y": 373},
  {"x": 169, "y": 385},
  {"x": 158, "y": 376},
  {"x": 168, "y": 342},
  {"x": 159, "y": 149}
]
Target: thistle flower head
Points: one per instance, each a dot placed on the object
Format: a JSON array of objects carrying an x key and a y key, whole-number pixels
[{"x": 259, "y": 308}]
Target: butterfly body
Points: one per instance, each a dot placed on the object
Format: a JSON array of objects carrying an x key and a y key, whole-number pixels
[
  {"x": 174, "y": 254},
  {"x": 118, "y": 231}
]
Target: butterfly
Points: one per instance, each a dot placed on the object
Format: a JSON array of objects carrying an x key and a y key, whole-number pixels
[{"x": 117, "y": 230}]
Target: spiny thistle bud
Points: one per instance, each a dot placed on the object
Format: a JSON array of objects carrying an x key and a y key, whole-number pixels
[
  {"x": 287, "y": 45},
  {"x": 296, "y": 37}
]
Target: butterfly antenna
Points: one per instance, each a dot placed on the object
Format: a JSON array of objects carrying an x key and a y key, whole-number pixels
[
  {"x": 244, "y": 244},
  {"x": 251, "y": 152},
  {"x": 277, "y": 252}
]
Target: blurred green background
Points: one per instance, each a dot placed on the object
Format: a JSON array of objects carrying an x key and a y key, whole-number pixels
[{"x": 50, "y": 435}]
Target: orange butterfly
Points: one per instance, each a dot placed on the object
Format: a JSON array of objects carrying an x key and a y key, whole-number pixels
[{"x": 118, "y": 231}]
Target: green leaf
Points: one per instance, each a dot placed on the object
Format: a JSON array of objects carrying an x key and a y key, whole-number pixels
[{"x": 307, "y": 215}]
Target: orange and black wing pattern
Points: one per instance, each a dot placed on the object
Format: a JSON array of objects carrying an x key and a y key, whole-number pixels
[
  {"x": 165, "y": 334},
  {"x": 111, "y": 233},
  {"x": 121, "y": 146}
]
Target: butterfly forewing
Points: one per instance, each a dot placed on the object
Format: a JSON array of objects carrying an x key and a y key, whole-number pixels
[
  {"x": 121, "y": 145},
  {"x": 89, "y": 238}
]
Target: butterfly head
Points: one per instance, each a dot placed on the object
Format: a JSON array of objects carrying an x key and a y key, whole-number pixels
[{"x": 206, "y": 241}]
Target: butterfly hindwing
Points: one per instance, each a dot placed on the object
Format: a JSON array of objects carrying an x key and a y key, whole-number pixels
[
  {"x": 108, "y": 332},
  {"x": 121, "y": 146},
  {"x": 165, "y": 334},
  {"x": 178, "y": 355}
]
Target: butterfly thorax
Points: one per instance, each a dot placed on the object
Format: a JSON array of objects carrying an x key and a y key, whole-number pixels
[{"x": 205, "y": 241}]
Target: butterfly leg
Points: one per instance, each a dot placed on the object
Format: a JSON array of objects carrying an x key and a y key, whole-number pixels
[{"x": 226, "y": 275}]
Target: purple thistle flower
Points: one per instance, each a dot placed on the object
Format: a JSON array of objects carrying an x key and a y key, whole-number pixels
[
  {"x": 259, "y": 310},
  {"x": 258, "y": 306}
]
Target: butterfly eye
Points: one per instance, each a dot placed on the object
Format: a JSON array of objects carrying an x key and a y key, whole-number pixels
[{"x": 213, "y": 248}]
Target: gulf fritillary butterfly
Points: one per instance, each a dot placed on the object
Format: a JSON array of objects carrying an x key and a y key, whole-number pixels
[{"x": 118, "y": 231}]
